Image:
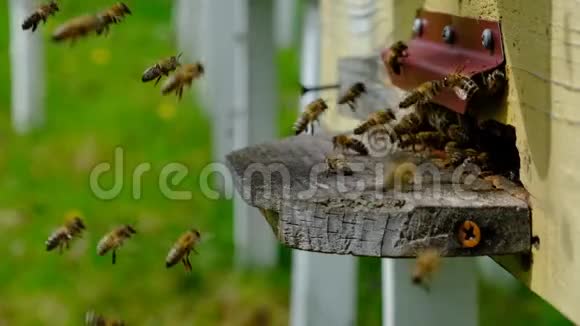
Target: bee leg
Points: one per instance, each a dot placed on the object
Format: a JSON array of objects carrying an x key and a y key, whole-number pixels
[
  {"x": 158, "y": 79},
  {"x": 351, "y": 106},
  {"x": 34, "y": 26},
  {"x": 60, "y": 248},
  {"x": 195, "y": 251},
  {"x": 189, "y": 268},
  {"x": 180, "y": 93},
  {"x": 114, "y": 256}
]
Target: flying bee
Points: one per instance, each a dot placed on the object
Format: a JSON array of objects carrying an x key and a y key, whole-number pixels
[
  {"x": 397, "y": 51},
  {"x": 182, "y": 248},
  {"x": 399, "y": 173},
  {"x": 426, "y": 265},
  {"x": 62, "y": 236},
  {"x": 337, "y": 164},
  {"x": 494, "y": 82},
  {"x": 423, "y": 94},
  {"x": 463, "y": 86},
  {"x": 112, "y": 15},
  {"x": 310, "y": 114},
  {"x": 114, "y": 240},
  {"x": 77, "y": 27},
  {"x": 182, "y": 77},
  {"x": 42, "y": 13},
  {"x": 161, "y": 68},
  {"x": 375, "y": 119},
  {"x": 352, "y": 94},
  {"x": 93, "y": 319},
  {"x": 345, "y": 142}
]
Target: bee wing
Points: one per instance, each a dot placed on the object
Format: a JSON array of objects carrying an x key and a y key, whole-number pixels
[
  {"x": 460, "y": 92},
  {"x": 206, "y": 237}
]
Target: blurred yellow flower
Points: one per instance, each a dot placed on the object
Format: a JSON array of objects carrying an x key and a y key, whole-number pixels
[
  {"x": 73, "y": 213},
  {"x": 166, "y": 111},
  {"x": 101, "y": 56}
]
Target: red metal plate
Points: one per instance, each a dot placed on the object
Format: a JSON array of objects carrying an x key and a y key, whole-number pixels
[{"x": 430, "y": 57}]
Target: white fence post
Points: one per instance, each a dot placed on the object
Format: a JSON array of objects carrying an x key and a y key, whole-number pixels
[
  {"x": 323, "y": 286},
  {"x": 27, "y": 69},
  {"x": 254, "y": 102},
  {"x": 285, "y": 11}
]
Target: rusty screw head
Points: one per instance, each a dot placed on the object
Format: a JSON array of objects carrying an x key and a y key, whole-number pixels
[
  {"x": 487, "y": 39},
  {"x": 448, "y": 34},
  {"x": 418, "y": 26},
  {"x": 469, "y": 234}
]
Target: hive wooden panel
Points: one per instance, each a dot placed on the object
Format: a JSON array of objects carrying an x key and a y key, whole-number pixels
[{"x": 310, "y": 210}]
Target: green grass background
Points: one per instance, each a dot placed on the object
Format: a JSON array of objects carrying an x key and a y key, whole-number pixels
[{"x": 96, "y": 102}]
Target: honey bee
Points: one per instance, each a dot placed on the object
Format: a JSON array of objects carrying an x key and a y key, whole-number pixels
[
  {"x": 437, "y": 116},
  {"x": 62, "y": 236},
  {"x": 458, "y": 134},
  {"x": 352, "y": 94},
  {"x": 345, "y": 142},
  {"x": 478, "y": 158},
  {"x": 424, "y": 93},
  {"x": 114, "y": 240},
  {"x": 407, "y": 140},
  {"x": 183, "y": 76},
  {"x": 375, "y": 119},
  {"x": 455, "y": 155},
  {"x": 397, "y": 51},
  {"x": 463, "y": 86},
  {"x": 42, "y": 13},
  {"x": 113, "y": 15},
  {"x": 311, "y": 113},
  {"x": 398, "y": 174},
  {"x": 409, "y": 124},
  {"x": 432, "y": 139},
  {"x": 182, "y": 248},
  {"x": 495, "y": 81},
  {"x": 77, "y": 27},
  {"x": 426, "y": 265},
  {"x": 161, "y": 68},
  {"x": 93, "y": 319},
  {"x": 337, "y": 164}
]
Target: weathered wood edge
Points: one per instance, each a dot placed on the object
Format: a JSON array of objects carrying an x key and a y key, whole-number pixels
[{"x": 370, "y": 222}]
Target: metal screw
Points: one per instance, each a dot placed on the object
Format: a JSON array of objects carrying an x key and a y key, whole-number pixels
[
  {"x": 418, "y": 26},
  {"x": 487, "y": 39},
  {"x": 469, "y": 234},
  {"x": 448, "y": 34}
]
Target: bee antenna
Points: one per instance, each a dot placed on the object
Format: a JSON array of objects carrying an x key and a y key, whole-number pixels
[{"x": 179, "y": 55}]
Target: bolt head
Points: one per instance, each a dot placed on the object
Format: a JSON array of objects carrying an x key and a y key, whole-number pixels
[
  {"x": 448, "y": 34},
  {"x": 469, "y": 234},
  {"x": 418, "y": 26},
  {"x": 487, "y": 39}
]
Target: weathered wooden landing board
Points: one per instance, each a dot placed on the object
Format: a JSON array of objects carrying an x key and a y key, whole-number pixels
[{"x": 354, "y": 215}]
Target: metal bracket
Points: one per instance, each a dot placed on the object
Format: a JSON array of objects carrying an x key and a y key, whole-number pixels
[{"x": 443, "y": 43}]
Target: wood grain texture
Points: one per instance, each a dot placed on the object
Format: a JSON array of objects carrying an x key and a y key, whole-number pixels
[{"x": 355, "y": 215}]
